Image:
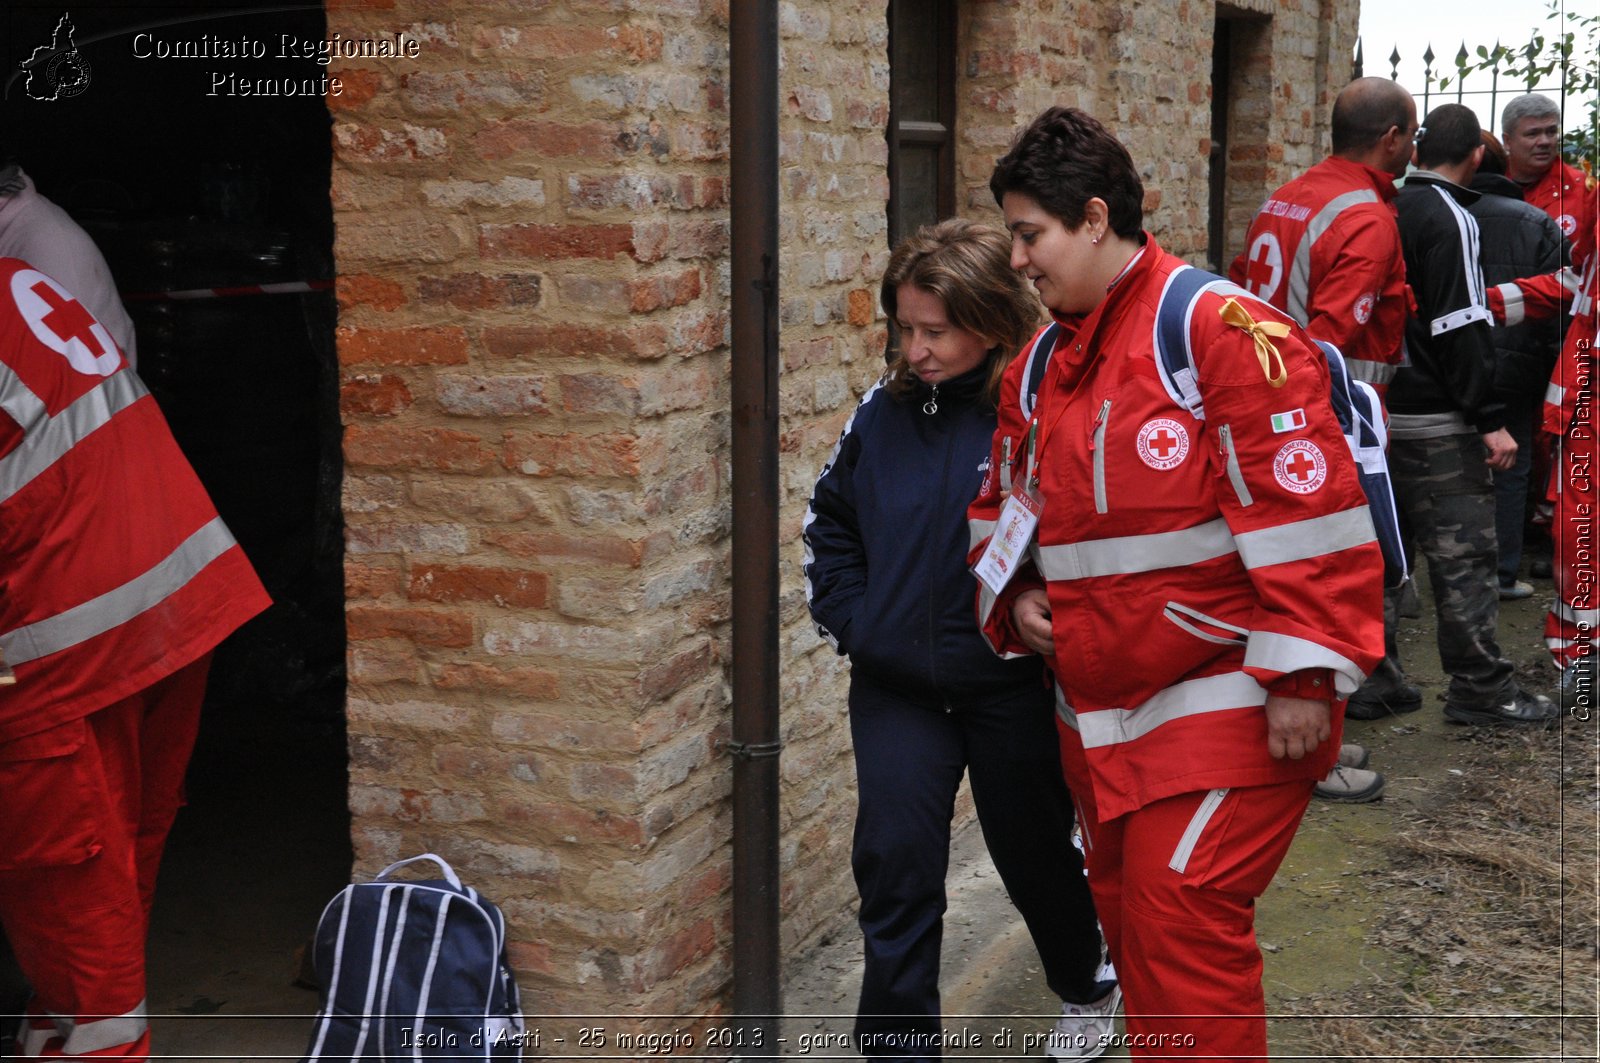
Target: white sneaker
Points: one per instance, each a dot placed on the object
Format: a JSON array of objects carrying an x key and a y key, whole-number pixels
[{"x": 1083, "y": 1030}]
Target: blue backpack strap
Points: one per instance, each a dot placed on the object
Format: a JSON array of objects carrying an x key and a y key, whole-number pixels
[
  {"x": 1174, "y": 312},
  {"x": 1038, "y": 361}
]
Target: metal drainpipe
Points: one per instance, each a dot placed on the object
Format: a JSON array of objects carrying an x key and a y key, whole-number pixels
[{"x": 753, "y": 165}]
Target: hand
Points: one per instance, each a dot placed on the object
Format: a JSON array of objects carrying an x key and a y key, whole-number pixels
[
  {"x": 1030, "y": 615},
  {"x": 1296, "y": 726},
  {"x": 1502, "y": 449}
]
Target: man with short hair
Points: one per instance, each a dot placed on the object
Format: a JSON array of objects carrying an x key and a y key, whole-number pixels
[
  {"x": 1531, "y": 128},
  {"x": 1325, "y": 250},
  {"x": 1447, "y": 426}
]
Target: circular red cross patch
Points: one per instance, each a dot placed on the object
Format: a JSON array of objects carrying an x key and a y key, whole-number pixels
[
  {"x": 1163, "y": 443},
  {"x": 1300, "y": 467},
  {"x": 1363, "y": 308}
]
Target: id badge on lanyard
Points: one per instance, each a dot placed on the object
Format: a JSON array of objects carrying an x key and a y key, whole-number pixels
[{"x": 1019, "y": 520}]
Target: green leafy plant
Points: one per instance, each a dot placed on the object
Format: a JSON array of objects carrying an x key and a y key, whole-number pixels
[{"x": 1567, "y": 54}]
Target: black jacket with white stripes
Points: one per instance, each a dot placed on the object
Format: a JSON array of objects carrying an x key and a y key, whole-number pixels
[{"x": 1449, "y": 384}]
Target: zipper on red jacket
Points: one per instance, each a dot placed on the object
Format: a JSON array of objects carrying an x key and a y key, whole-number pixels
[{"x": 1097, "y": 445}]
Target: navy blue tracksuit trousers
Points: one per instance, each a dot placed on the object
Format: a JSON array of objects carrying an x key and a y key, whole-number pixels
[{"x": 910, "y": 753}]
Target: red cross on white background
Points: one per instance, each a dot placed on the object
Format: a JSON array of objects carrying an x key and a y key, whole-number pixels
[
  {"x": 1301, "y": 467},
  {"x": 68, "y": 319},
  {"x": 1163, "y": 442}
]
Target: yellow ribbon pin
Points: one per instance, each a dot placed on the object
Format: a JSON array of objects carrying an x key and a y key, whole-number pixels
[{"x": 1262, "y": 333}]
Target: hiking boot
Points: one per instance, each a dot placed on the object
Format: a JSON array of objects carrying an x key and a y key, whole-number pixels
[
  {"x": 1351, "y": 786},
  {"x": 1577, "y": 685},
  {"x": 1353, "y": 756},
  {"x": 1515, "y": 591},
  {"x": 1083, "y": 1030},
  {"x": 1367, "y": 704},
  {"x": 1523, "y": 708}
]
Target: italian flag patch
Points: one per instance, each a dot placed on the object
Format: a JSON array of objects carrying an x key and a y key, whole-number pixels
[{"x": 1288, "y": 422}]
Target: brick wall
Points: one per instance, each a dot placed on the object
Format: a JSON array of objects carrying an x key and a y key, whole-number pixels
[{"x": 532, "y": 255}]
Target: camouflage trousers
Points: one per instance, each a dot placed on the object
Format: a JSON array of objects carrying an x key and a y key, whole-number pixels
[{"x": 1445, "y": 494}]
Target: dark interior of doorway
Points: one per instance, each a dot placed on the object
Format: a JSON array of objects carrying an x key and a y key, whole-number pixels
[{"x": 185, "y": 190}]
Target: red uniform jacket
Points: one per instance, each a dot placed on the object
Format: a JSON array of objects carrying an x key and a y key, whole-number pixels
[
  {"x": 1325, "y": 250},
  {"x": 115, "y": 570},
  {"x": 1189, "y": 565},
  {"x": 1567, "y": 195}
]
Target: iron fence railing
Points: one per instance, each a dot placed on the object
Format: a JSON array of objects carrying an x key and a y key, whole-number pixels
[{"x": 1464, "y": 69}]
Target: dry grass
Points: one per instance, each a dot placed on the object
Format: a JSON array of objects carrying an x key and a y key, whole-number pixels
[{"x": 1491, "y": 903}]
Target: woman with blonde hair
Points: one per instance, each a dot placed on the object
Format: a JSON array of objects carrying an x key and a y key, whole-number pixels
[{"x": 887, "y": 582}]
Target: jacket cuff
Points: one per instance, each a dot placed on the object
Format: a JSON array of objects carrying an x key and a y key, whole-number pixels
[{"x": 1313, "y": 683}]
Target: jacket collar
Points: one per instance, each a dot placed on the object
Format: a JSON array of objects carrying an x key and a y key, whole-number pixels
[
  {"x": 1382, "y": 183},
  {"x": 1464, "y": 196}
]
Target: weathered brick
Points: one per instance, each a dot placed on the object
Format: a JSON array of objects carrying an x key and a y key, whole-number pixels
[
  {"x": 406, "y": 537},
  {"x": 364, "y": 290},
  {"x": 491, "y": 396},
  {"x": 653, "y": 293},
  {"x": 538, "y": 454},
  {"x": 496, "y": 502},
  {"x": 425, "y": 627},
  {"x": 530, "y": 240},
  {"x": 476, "y": 291},
  {"x": 370, "y": 580},
  {"x": 409, "y": 143},
  {"x": 539, "y": 684},
  {"x": 380, "y": 395},
  {"x": 411, "y": 345},
  {"x": 533, "y": 342},
  {"x": 402, "y": 446},
  {"x": 505, "y": 587}
]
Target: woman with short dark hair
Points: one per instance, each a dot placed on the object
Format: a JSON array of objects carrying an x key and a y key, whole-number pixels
[{"x": 1202, "y": 579}]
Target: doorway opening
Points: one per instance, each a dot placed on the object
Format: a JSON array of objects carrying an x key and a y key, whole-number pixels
[{"x": 211, "y": 205}]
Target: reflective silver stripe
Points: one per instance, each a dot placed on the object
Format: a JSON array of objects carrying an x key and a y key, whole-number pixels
[
  {"x": 1064, "y": 709},
  {"x": 1197, "y": 825},
  {"x": 1216, "y": 693},
  {"x": 116, "y": 607},
  {"x": 1235, "y": 474},
  {"x": 19, "y": 401},
  {"x": 101, "y": 1034},
  {"x": 1100, "y": 457},
  {"x": 1300, "y": 271},
  {"x": 47, "y": 439},
  {"x": 1369, "y": 371},
  {"x": 1459, "y": 319},
  {"x": 977, "y": 532},
  {"x": 1136, "y": 553},
  {"x": 1516, "y": 308},
  {"x": 1563, "y": 611},
  {"x": 1315, "y": 537},
  {"x": 1176, "y": 612},
  {"x": 1273, "y": 651},
  {"x": 1555, "y": 394}
]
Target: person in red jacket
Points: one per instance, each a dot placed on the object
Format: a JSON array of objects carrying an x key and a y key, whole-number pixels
[
  {"x": 1325, "y": 249},
  {"x": 1569, "y": 416},
  {"x": 1530, "y": 127},
  {"x": 117, "y": 580},
  {"x": 1205, "y": 592}
]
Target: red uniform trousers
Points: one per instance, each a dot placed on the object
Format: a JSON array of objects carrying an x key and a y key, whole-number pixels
[
  {"x": 1570, "y": 626},
  {"x": 90, "y": 804},
  {"x": 1184, "y": 941}
]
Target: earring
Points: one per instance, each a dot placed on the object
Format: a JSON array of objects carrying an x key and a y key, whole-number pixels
[{"x": 1096, "y": 241}]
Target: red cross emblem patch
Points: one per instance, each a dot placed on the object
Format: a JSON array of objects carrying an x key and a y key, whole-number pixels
[
  {"x": 1163, "y": 443},
  {"x": 1300, "y": 467},
  {"x": 63, "y": 324},
  {"x": 1363, "y": 308}
]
